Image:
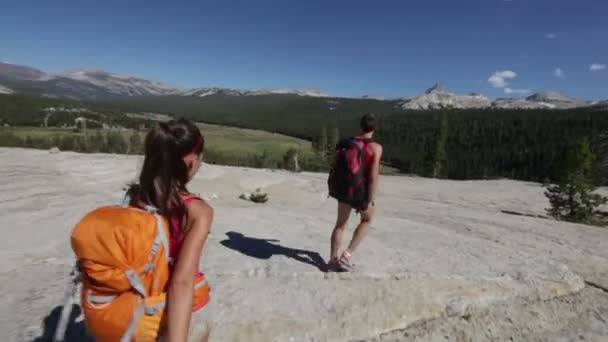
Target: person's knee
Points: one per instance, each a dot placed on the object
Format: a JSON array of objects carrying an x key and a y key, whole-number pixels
[{"x": 366, "y": 219}]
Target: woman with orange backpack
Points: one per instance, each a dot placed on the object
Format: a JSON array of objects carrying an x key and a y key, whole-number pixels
[
  {"x": 139, "y": 262},
  {"x": 173, "y": 155}
]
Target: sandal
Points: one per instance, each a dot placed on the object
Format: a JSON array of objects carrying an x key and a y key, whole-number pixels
[
  {"x": 334, "y": 266},
  {"x": 345, "y": 261}
]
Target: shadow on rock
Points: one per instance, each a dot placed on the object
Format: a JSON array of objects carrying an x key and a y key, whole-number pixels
[
  {"x": 265, "y": 249},
  {"x": 76, "y": 331}
]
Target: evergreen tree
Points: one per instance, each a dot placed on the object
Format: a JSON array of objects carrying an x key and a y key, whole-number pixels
[
  {"x": 602, "y": 147},
  {"x": 572, "y": 198},
  {"x": 322, "y": 143},
  {"x": 9, "y": 139},
  {"x": 66, "y": 143},
  {"x": 135, "y": 143},
  {"x": 332, "y": 140},
  {"x": 440, "y": 154},
  {"x": 96, "y": 142},
  {"x": 56, "y": 141},
  {"x": 116, "y": 142},
  {"x": 314, "y": 144},
  {"x": 264, "y": 161},
  {"x": 78, "y": 144},
  {"x": 29, "y": 142}
]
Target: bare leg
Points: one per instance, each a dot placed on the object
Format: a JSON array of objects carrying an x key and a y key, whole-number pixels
[
  {"x": 336, "y": 236},
  {"x": 361, "y": 231}
]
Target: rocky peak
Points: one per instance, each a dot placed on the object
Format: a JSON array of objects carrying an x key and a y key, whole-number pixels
[{"x": 436, "y": 88}]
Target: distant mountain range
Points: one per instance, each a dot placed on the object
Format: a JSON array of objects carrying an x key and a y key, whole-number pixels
[
  {"x": 96, "y": 84},
  {"x": 101, "y": 85},
  {"x": 202, "y": 92},
  {"x": 438, "y": 98}
]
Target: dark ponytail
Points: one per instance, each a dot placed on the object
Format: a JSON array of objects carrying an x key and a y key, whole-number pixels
[{"x": 164, "y": 174}]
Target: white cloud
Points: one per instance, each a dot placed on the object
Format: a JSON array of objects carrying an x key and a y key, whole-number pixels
[
  {"x": 516, "y": 91},
  {"x": 597, "y": 67},
  {"x": 551, "y": 36},
  {"x": 559, "y": 73},
  {"x": 500, "y": 78}
]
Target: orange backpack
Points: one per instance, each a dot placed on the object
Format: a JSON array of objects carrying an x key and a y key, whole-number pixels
[{"x": 123, "y": 264}]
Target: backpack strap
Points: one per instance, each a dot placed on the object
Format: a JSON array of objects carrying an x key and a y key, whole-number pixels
[
  {"x": 128, "y": 336},
  {"x": 135, "y": 280},
  {"x": 364, "y": 140},
  {"x": 68, "y": 300},
  {"x": 161, "y": 238}
]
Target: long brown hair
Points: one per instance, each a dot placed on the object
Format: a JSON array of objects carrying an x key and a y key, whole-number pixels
[{"x": 164, "y": 174}]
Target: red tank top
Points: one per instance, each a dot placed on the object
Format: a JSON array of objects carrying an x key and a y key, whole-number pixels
[
  {"x": 175, "y": 240},
  {"x": 201, "y": 287}
]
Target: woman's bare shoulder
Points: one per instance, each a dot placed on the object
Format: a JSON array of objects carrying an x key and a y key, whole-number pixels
[
  {"x": 199, "y": 207},
  {"x": 376, "y": 147}
]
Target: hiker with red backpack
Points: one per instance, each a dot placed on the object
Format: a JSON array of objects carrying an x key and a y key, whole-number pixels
[
  {"x": 353, "y": 181},
  {"x": 138, "y": 263}
]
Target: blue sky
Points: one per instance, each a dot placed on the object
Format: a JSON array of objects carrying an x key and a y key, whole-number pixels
[{"x": 342, "y": 47}]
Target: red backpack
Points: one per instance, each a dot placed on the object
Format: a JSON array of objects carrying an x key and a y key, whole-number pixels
[{"x": 347, "y": 179}]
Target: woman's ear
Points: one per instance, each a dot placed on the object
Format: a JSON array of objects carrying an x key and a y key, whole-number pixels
[{"x": 189, "y": 160}]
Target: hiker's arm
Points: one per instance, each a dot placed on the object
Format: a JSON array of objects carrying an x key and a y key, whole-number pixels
[
  {"x": 374, "y": 174},
  {"x": 181, "y": 286}
]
